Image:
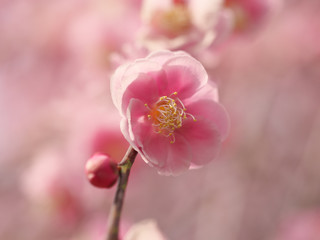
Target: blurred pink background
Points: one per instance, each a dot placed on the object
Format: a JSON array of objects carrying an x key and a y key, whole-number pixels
[{"x": 56, "y": 58}]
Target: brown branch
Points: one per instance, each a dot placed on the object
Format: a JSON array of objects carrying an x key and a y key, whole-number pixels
[{"x": 115, "y": 211}]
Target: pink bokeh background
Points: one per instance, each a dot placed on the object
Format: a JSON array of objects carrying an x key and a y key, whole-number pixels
[{"x": 56, "y": 59}]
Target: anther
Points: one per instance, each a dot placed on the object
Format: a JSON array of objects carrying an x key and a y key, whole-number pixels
[{"x": 168, "y": 114}]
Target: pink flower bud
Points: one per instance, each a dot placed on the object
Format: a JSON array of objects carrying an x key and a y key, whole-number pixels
[
  {"x": 101, "y": 171},
  {"x": 179, "y": 2}
]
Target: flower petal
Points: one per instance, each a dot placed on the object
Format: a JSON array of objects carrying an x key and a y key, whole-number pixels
[
  {"x": 125, "y": 75},
  {"x": 209, "y": 91},
  {"x": 138, "y": 124},
  {"x": 146, "y": 88},
  {"x": 185, "y": 75},
  {"x": 164, "y": 56},
  {"x": 207, "y": 132},
  {"x": 168, "y": 158},
  {"x": 115, "y": 85},
  {"x": 205, "y": 13},
  {"x": 208, "y": 110},
  {"x": 204, "y": 140}
]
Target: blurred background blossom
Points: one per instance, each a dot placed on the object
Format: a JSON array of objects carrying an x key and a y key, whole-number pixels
[{"x": 56, "y": 58}]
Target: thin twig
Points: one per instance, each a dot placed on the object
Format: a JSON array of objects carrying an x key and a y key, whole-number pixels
[{"x": 115, "y": 211}]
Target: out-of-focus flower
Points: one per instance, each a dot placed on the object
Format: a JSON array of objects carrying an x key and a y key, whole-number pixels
[
  {"x": 144, "y": 230},
  {"x": 101, "y": 171},
  {"x": 170, "y": 114},
  {"x": 179, "y": 24},
  {"x": 95, "y": 228},
  {"x": 94, "y": 37},
  {"x": 305, "y": 226},
  {"x": 55, "y": 184},
  {"x": 50, "y": 184},
  {"x": 248, "y": 14}
]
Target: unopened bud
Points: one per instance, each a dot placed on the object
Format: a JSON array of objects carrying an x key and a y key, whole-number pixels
[
  {"x": 102, "y": 171},
  {"x": 182, "y": 2}
]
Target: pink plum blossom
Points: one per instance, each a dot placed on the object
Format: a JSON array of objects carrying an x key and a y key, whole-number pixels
[
  {"x": 248, "y": 14},
  {"x": 179, "y": 25},
  {"x": 170, "y": 114}
]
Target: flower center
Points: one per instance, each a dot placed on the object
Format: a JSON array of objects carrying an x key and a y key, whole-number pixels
[
  {"x": 167, "y": 115},
  {"x": 241, "y": 18},
  {"x": 172, "y": 22}
]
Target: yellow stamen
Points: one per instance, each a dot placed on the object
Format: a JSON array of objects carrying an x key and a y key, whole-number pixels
[{"x": 167, "y": 115}]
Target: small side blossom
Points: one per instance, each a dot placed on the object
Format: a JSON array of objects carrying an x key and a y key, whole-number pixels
[
  {"x": 179, "y": 24},
  {"x": 248, "y": 14},
  {"x": 170, "y": 113}
]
